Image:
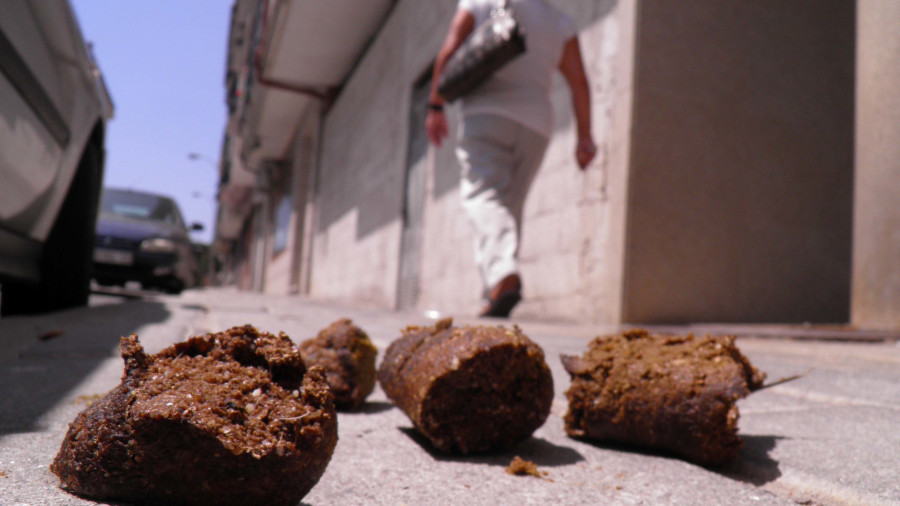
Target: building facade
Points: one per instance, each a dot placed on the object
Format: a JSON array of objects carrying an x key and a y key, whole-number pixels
[{"x": 743, "y": 173}]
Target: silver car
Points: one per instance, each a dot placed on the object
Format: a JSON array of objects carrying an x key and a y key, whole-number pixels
[{"x": 54, "y": 108}]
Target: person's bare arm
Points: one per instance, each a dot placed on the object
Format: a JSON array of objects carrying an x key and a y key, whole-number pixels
[
  {"x": 436, "y": 123},
  {"x": 572, "y": 69}
]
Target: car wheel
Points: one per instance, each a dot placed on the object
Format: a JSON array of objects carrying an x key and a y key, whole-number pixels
[
  {"x": 108, "y": 282},
  {"x": 174, "y": 288},
  {"x": 67, "y": 257}
]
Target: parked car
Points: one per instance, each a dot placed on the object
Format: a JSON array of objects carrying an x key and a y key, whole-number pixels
[
  {"x": 54, "y": 107},
  {"x": 143, "y": 237}
]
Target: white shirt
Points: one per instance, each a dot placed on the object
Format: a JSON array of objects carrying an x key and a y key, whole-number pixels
[{"x": 521, "y": 89}]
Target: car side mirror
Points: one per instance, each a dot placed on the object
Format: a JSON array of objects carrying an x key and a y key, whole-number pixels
[{"x": 196, "y": 227}]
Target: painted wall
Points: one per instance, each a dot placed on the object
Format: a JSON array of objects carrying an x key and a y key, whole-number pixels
[{"x": 740, "y": 195}]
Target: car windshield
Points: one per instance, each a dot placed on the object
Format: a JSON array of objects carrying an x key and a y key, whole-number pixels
[{"x": 141, "y": 206}]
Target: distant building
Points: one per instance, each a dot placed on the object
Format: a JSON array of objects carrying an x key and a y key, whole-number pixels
[{"x": 749, "y": 168}]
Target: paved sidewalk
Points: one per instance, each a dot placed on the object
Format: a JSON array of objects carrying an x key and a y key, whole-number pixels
[{"x": 830, "y": 437}]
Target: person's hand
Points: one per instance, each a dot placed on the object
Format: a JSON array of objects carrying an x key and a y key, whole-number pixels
[
  {"x": 585, "y": 152},
  {"x": 436, "y": 126}
]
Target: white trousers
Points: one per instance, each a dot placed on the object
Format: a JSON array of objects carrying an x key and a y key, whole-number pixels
[{"x": 499, "y": 159}]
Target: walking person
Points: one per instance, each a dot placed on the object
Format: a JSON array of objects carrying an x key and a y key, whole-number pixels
[{"x": 505, "y": 126}]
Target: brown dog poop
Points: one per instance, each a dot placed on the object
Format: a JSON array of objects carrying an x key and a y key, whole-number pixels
[
  {"x": 348, "y": 357},
  {"x": 468, "y": 389},
  {"x": 227, "y": 418},
  {"x": 674, "y": 394}
]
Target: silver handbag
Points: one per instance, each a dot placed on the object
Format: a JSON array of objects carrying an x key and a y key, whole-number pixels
[{"x": 489, "y": 47}]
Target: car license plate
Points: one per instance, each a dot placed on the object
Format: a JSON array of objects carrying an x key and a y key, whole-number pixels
[{"x": 111, "y": 256}]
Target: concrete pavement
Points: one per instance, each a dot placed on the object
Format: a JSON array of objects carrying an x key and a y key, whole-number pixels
[{"x": 830, "y": 437}]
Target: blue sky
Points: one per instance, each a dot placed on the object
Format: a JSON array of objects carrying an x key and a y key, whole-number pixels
[{"x": 164, "y": 64}]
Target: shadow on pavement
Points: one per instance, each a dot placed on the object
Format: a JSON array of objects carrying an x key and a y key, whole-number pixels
[
  {"x": 44, "y": 357},
  {"x": 538, "y": 450},
  {"x": 621, "y": 447},
  {"x": 371, "y": 408},
  {"x": 754, "y": 465}
]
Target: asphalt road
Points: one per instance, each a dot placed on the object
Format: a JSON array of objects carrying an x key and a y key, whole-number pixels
[{"x": 831, "y": 437}]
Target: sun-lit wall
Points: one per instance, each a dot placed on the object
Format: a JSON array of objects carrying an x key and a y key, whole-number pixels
[
  {"x": 876, "y": 254},
  {"x": 572, "y": 232}
]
